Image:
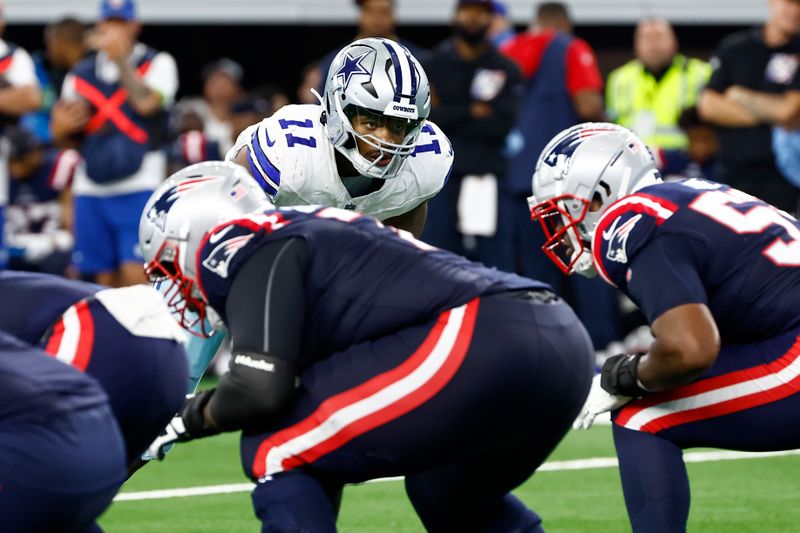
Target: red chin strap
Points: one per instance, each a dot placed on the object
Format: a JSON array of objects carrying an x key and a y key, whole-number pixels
[
  {"x": 557, "y": 223},
  {"x": 188, "y": 310}
]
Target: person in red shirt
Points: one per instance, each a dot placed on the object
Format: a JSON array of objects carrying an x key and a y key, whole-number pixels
[
  {"x": 563, "y": 87},
  {"x": 582, "y": 75}
]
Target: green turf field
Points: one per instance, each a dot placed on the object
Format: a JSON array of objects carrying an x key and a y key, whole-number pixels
[{"x": 745, "y": 495}]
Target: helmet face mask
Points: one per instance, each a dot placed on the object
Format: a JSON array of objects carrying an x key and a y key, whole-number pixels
[
  {"x": 376, "y": 85},
  {"x": 173, "y": 223},
  {"x": 580, "y": 173},
  {"x": 179, "y": 291},
  {"x": 563, "y": 242}
]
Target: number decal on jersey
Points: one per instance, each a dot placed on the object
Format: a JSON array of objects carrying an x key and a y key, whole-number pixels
[
  {"x": 717, "y": 205},
  {"x": 432, "y": 146},
  {"x": 291, "y": 139}
]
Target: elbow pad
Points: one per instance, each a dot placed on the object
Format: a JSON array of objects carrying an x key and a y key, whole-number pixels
[{"x": 257, "y": 387}]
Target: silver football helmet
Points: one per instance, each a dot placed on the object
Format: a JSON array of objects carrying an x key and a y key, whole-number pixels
[
  {"x": 580, "y": 173},
  {"x": 174, "y": 221},
  {"x": 379, "y": 81}
]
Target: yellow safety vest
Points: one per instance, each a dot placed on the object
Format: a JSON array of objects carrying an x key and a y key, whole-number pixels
[{"x": 651, "y": 108}]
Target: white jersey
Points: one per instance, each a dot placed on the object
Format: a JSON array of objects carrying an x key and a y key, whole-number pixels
[{"x": 298, "y": 166}]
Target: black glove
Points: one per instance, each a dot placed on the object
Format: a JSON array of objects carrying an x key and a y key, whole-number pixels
[
  {"x": 620, "y": 375},
  {"x": 194, "y": 421}
]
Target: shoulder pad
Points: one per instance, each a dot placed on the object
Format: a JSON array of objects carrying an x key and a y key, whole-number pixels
[
  {"x": 624, "y": 229},
  {"x": 278, "y": 142},
  {"x": 432, "y": 160}
]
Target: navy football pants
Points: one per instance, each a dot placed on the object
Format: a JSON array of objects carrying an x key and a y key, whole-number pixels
[
  {"x": 466, "y": 407},
  {"x": 60, "y": 473},
  {"x": 749, "y": 400}
]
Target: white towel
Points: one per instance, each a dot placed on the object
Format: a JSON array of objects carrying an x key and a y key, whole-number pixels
[{"x": 477, "y": 205}]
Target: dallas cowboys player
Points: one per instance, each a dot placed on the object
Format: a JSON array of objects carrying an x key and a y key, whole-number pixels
[
  {"x": 360, "y": 352},
  {"x": 368, "y": 147},
  {"x": 717, "y": 273}
]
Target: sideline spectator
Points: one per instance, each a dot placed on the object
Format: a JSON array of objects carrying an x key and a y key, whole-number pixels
[
  {"x": 375, "y": 19},
  {"x": 476, "y": 92},
  {"x": 754, "y": 86},
  {"x": 502, "y": 29},
  {"x": 647, "y": 94},
  {"x": 563, "y": 88},
  {"x": 699, "y": 159},
  {"x": 39, "y": 215},
  {"x": 115, "y": 102},
  {"x": 64, "y": 47},
  {"x": 19, "y": 94}
]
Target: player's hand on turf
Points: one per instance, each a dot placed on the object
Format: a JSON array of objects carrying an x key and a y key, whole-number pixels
[
  {"x": 187, "y": 425},
  {"x": 599, "y": 401},
  {"x": 168, "y": 436}
]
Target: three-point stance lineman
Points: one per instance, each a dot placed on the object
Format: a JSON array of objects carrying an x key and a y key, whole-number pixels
[
  {"x": 716, "y": 271},
  {"x": 124, "y": 338},
  {"x": 360, "y": 352},
  {"x": 62, "y": 457}
]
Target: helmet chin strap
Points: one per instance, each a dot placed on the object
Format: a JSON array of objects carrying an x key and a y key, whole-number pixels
[{"x": 585, "y": 264}]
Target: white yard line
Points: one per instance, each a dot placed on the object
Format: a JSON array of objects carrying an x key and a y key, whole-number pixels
[{"x": 553, "y": 466}]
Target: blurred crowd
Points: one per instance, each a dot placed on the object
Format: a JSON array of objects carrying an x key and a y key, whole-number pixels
[{"x": 91, "y": 125}]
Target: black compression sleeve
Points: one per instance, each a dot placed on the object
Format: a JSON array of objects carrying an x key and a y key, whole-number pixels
[
  {"x": 266, "y": 303},
  {"x": 265, "y": 310}
]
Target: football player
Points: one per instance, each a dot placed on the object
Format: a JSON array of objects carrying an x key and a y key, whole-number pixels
[
  {"x": 124, "y": 338},
  {"x": 360, "y": 352},
  {"x": 62, "y": 456},
  {"x": 716, "y": 272},
  {"x": 368, "y": 147}
]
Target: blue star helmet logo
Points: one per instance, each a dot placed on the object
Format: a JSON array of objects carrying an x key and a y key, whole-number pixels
[{"x": 351, "y": 67}]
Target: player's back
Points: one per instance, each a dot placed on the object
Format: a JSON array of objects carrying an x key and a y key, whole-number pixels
[
  {"x": 34, "y": 387},
  {"x": 747, "y": 253},
  {"x": 124, "y": 338},
  {"x": 33, "y": 302},
  {"x": 364, "y": 280}
]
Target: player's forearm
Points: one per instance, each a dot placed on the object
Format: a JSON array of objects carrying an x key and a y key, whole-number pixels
[
  {"x": 19, "y": 100},
  {"x": 721, "y": 111},
  {"x": 144, "y": 100},
  {"x": 257, "y": 387},
  {"x": 687, "y": 343}
]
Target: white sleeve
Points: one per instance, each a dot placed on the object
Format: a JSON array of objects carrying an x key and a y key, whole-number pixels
[
  {"x": 68, "y": 91},
  {"x": 242, "y": 140},
  {"x": 22, "y": 71},
  {"x": 162, "y": 77}
]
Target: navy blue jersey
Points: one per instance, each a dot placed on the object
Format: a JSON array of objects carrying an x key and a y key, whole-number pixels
[
  {"x": 696, "y": 241},
  {"x": 364, "y": 280},
  {"x": 32, "y": 303},
  {"x": 34, "y": 387},
  {"x": 33, "y": 202},
  {"x": 124, "y": 338}
]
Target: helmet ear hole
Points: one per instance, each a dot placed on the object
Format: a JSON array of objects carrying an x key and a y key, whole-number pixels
[{"x": 597, "y": 200}]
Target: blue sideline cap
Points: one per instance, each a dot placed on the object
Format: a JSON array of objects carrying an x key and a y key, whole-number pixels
[{"x": 118, "y": 9}]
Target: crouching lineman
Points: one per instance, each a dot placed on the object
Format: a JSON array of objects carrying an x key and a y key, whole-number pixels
[
  {"x": 124, "y": 338},
  {"x": 717, "y": 273},
  {"x": 367, "y": 148},
  {"x": 62, "y": 458},
  {"x": 360, "y": 352}
]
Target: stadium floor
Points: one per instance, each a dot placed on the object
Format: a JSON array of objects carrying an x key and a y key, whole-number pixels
[{"x": 729, "y": 493}]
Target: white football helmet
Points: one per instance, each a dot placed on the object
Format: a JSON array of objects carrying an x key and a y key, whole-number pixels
[
  {"x": 174, "y": 221},
  {"x": 580, "y": 173},
  {"x": 380, "y": 79}
]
